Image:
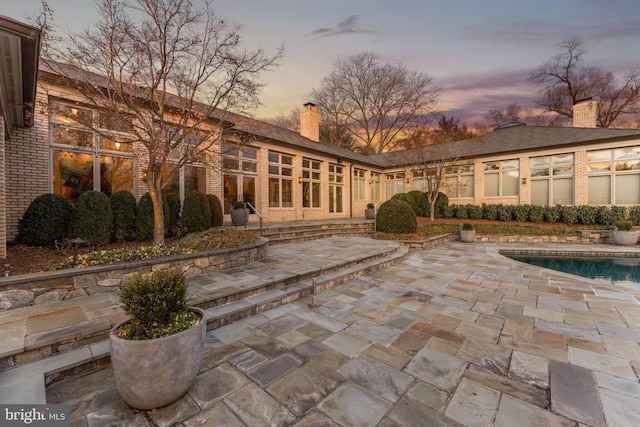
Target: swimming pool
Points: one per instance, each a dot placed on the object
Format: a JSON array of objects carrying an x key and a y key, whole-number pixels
[{"x": 621, "y": 271}]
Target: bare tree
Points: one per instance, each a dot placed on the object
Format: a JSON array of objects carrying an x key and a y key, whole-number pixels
[
  {"x": 432, "y": 163},
  {"x": 289, "y": 121},
  {"x": 448, "y": 129},
  {"x": 166, "y": 73},
  {"x": 374, "y": 102},
  {"x": 566, "y": 82}
]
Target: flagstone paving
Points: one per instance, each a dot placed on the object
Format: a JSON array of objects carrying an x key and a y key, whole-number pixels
[{"x": 455, "y": 335}]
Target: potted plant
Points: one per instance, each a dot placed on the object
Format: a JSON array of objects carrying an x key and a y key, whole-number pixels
[
  {"x": 468, "y": 233},
  {"x": 239, "y": 213},
  {"x": 370, "y": 212},
  {"x": 157, "y": 353},
  {"x": 624, "y": 234}
]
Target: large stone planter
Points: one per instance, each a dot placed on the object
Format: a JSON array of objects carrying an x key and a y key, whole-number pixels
[
  {"x": 154, "y": 373},
  {"x": 625, "y": 238},
  {"x": 239, "y": 216},
  {"x": 468, "y": 236}
]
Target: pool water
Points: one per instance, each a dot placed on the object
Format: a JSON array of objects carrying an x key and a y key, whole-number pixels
[{"x": 618, "y": 271}]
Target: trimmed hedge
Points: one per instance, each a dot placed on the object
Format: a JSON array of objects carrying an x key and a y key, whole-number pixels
[
  {"x": 46, "y": 220},
  {"x": 217, "y": 215},
  {"x": 93, "y": 218},
  {"x": 144, "y": 220},
  {"x": 196, "y": 212},
  {"x": 124, "y": 208},
  {"x": 396, "y": 216}
]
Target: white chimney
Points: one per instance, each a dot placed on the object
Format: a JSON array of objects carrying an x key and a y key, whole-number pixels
[
  {"x": 310, "y": 122},
  {"x": 585, "y": 113}
]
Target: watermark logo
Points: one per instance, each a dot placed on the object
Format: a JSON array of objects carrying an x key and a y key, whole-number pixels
[{"x": 34, "y": 415}]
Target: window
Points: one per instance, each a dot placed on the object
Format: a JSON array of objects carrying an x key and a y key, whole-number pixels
[
  {"x": 614, "y": 176},
  {"x": 501, "y": 178},
  {"x": 552, "y": 180},
  {"x": 311, "y": 183},
  {"x": 394, "y": 183},
  {"x": 85, "y": 160},
  {"x": 336, "y": 187},
  {"x": 240, "y": 170},
  {"x": 280, "y": 180},
  {"x": 459, "y": 181},
  {"x": 359, "y": 184},
  {"x": 375, "y": 186}
]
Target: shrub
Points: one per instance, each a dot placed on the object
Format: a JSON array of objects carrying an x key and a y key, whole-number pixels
[
  {"x": 460, "y": 212},
  {"x": 420, "y": 201},
  {"x": 144, "y": 220},
  {"x": 447, "y": 211},
  {"x": 157, "y": 304},
  {"x": 47, "y": 219},
  {"x": 467, "y": 226},
  {"x": 123, "y": 207},
  {"x": 504, "y": 212},
  {"x": 569, "y": 214},
  {"x": 93, "y": 218},
  {"x": 396, "y": 216},
  {"x": 406, "y": 197},
  {"x": 587, "y": 214},
  {"x": 552, "y": 213},
  {"x": 442, "y": 203},
  {"x": 624, "y": 225},
  {"x": 604, "y": 215},
  {"x": 217, "y": 216},
  {"x": 619, "y": 213},
  {"x": 634, "y": 214},
  {"x": 536, "y": 213},
  {"x": 474, "y": 211},
  {"x": 370, "y": 206},
  {"x": 521, "y": 213},
  {"x": 489, "y": 212},
  {"x": 239, "y": 205},
  {"x": 171, "y": 209},
  {"x": 196, "y": 213}
]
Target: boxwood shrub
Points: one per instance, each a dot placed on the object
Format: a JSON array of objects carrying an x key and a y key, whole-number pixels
[
  {"x": 396, "y": 216},
  {"x": 46, "y": 220},
  {"x": 93, "y": 218},
  {"x": 124, "y": 207},
  {"x": 217, "y": 216},
  {"x": 196, "y": 213}
]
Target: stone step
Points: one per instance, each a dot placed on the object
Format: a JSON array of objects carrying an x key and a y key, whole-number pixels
[{"x": 33, "y": 377}]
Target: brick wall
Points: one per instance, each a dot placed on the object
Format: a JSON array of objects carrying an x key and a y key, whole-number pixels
[{"x": 3, "y": 193}]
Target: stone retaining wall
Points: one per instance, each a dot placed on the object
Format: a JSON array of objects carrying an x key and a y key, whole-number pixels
[
  {"x": 587, "y": 237},
  {"x": 39, "y": 288}
]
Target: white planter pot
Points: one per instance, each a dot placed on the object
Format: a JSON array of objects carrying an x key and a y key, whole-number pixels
[
  {"x": 625, "y": 238},
  {"x": 468, "y": 236}
]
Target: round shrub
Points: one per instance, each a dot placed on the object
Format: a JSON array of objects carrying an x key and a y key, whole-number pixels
[
  {"x": 536, "y": 213},
  {"x": 144, "y": 219},
  {"x": 123, "y": 207},
  {"x": 171, "y": 209},
  {"x": 474, "y": 211},
  {"x": 460, "y": 211},
  {"x": 569, "y": 214},
  {"x": 396, "y": 216},
  {"x": 420, "y": 201},
  {"x": 442, "y": 202},
  {"x": 521, "y": 213},
  {"x": 587, "y": 214},
  {"x": 47, "y": 219},
  {"x": 619, "y": 213},
  {"x": 196, "y": 213},
  {"x": 406, "y": 197},
  {"x": 634, "y": 214},
  {"x": 447, "y": 211},
  {"x": 552, "y": 213},
  {"x": 489, "y": 212},
  {"x": 217, "y": 216},
  {"x": 504, "y": 212},
  {"x": 93, "y": 218},
  {"x": 604, "y": 215}
]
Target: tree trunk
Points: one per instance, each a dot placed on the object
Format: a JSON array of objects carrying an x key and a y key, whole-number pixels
[
  {"x": 432, "y": 212},
  {"x": 155, "y": 191}
]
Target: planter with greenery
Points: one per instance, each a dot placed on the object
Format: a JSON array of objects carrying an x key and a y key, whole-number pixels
[
  {"x": 239, "y": 213},
  {"x": 370, "y": 212},
  {"x": 157, "y": 353},
  {"x": 624, "y": 234},
  {"x": 468, "y": 233}
]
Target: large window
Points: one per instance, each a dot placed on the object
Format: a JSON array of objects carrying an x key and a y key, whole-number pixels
[
  {"x": 280, "y": 180},
  {"x": 336, "y": 188},
  {"x": 359, "y": 184},
  {"x": 394, "y": 183},
  {"x": 375, "y": 186},
  {"x": 240, "y": 170},
  {"x": 459, "y": 181},
  {"x": 311, "y": 183},
  {"x": 552, "y": 180},
  {"x": 501, "y": 178},
  {"x": 84, "y": 160},
  {"x": 614, "y": 176}
]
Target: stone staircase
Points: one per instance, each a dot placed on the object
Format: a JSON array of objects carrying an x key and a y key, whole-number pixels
[
  {"x": 40, "y": 345},
  {"x": 310, "y": 230}
]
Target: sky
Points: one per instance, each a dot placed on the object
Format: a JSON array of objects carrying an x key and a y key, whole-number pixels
[{"x": 480, "y": 52}]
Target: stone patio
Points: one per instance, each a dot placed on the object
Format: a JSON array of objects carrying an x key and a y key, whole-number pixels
[{"x": 453, "y": 335}]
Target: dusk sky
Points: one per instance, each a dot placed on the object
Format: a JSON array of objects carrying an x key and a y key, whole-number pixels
[{"x": 480, "y": 52}]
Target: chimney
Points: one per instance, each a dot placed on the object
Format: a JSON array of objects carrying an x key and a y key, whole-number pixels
[
  {"x": 310, "y": 122},
  {"x": 585, "y": 113}
]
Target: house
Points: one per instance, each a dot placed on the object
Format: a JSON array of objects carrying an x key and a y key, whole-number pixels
[{"x": 289, "y": 176}]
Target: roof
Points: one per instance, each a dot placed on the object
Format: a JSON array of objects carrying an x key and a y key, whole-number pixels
[
  {"x": 19, "y": 55},
  {"x": 509, "y": 140}
]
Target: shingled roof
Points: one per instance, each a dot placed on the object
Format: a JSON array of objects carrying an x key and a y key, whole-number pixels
[{"x": 510, "y": 140}]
